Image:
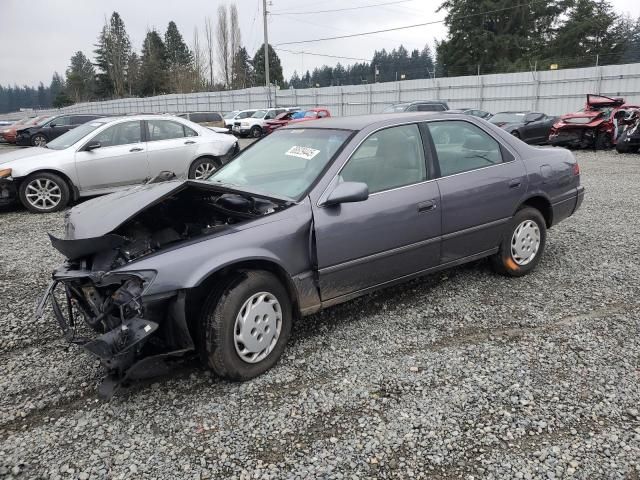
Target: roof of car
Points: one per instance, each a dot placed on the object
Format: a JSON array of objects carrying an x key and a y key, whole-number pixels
[{"x": 358, "y": 122}]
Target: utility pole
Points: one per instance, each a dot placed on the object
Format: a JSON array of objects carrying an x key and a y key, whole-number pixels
[{"x": 266, "y": 53}]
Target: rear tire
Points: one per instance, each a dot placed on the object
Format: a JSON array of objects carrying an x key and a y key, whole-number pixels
[
  {"x": 203, "y": 167},
  {"x": 245, "y": 328},
  {"x": 522, "y": 244},
  {"x": 44, "y": 192}
]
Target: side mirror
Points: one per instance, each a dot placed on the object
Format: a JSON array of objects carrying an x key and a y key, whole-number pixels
[
  {"x": 347, "y": 192},
  {"x": 92, "y": 146},
  {"x": 51, "y": 125}
]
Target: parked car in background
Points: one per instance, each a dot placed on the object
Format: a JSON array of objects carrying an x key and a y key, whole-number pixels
[
  {"x": 207, "y": 119},
  {"x": 238, "y": 115},
  {"x": 418, "y": 106},
  {"x": 253, "y": 126},
  {"x": 287, "y": 118},
  {"x": 530, "y": 127},
  {"x": 592, "y": 127},
  {"x": 9, "y": 132},
  {"x": 314, "y": 215},
  {"x": 629, "y": 138},
  {"x": 109, "y": 154},
  {"x": 40, "y": 134},
  {"x": 472, "y": 111}
]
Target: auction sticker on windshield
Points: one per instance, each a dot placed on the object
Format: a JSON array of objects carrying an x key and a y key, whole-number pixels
[{"x": 302, "y": 152}]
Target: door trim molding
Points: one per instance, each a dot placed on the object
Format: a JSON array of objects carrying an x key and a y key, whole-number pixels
[{"x": 466, "y": 231}]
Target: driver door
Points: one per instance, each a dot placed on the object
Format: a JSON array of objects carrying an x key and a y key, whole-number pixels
[
  {"x": 121, "y": 159},
  {"x": 392, "y": 234}
]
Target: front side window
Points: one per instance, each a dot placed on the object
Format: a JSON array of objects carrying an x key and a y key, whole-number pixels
[
  {"x": 164, "y": 130},
  {"x": 61, "y": 121},
  {"x": 259, "y": 114},
  {"x": 285, "y": 163},
  {"x": 461, "y": 147},
  {"x": 123, "y": 133},
  {"x": 389, "y": 158},
  {"x": 213, "y": 117}
]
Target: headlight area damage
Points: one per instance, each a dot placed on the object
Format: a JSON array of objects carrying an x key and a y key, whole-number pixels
[{"x": 135, "y": 334}]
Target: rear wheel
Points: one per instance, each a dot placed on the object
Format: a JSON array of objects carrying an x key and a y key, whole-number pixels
[
  {"x": 203, "y": 168},
  {"x": 522, "y": 244},
  {"x": 44, "y": 192},
  {"x": 38, "y": 140},
  {"x": 246, "y": 327}
]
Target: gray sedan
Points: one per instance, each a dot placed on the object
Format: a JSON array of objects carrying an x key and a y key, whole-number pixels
[{"x": 311, "y": 216}]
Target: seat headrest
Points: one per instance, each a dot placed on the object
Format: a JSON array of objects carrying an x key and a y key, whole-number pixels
[{"x": 476, "y": 142}]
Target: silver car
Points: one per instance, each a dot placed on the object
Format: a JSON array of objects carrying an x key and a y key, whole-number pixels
[{"x": 110, "y": 154}]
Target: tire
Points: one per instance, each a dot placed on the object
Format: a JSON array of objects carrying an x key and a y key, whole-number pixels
[
  {"x": 513, "y": 262},
  {"x": 39, "y": 140},
  {"x": 203, "y": 167},
  {"x": 44, "y": 192},
  {"x": 228, "y": 356},
  {"x": 255, "y": 132}
]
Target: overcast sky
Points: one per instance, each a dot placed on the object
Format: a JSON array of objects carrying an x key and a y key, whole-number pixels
[{"x": 39, "y": 36}]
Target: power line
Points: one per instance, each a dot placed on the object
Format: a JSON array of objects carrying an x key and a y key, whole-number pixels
[
  {"x": 340, "y": 9},
  {"x": 322, "y": 55},
  {"x": 409, "y": 26}
]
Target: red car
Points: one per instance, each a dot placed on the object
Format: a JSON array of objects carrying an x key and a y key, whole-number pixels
[
  {"x": 296, "y": 117},
  {"x": 9, "y": 132},
  {"x": 594, "y": 127}
]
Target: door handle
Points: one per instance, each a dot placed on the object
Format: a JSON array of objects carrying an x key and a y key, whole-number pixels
[
  {"x": 426, "y": 206},
  {"x": 515, "y": 183},
  {"x": 136, "y": 149},
  {"x": 189, "y": 142}
]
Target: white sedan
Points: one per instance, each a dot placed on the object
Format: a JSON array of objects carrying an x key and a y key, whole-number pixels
[{"x": 110, "y": 154}]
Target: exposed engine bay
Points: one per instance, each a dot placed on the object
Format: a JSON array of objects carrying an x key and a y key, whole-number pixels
[{"x": 134, "y": 338}]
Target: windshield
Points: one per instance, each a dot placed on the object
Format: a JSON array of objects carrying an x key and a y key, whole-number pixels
[
  {"x": 73, "y": 136},
  {"x": 605, "y": 110},
  {"x": 400, "y": 107},
  {"x": 231, "y": 115},
  {"x": 259, "y": 114},
  {"x": 284, "y": 164},
  {"x": 508, "y": 117}
]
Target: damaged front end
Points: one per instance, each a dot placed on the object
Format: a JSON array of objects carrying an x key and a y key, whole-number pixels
[{"x": 103, "y": 304}]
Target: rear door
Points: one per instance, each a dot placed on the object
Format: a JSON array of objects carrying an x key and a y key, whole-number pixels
[
  {"x": 481, "y": 184},
  {"x": 121, "y": 159},
  {"x": 171, "y": 146},
  {"x": 392, "y": 234}
]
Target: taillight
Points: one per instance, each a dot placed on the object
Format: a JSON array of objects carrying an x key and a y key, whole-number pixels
[{"x": 576, "y": 169}]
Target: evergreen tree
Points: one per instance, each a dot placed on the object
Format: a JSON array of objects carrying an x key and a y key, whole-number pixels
[
  {"x": 275, "y": 67},
  {"x": 133, "y": 75},
  {"x": 112, "y": 56},
  {"x": 154, "y": 65},
  {"x": 631, "y": 53},
  {"x": 242, "y": 70},
  {"x": 179, "y": 60},
  {"x": 80, "y": 78}
]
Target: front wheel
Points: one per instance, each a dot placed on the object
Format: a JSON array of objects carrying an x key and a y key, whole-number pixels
[
  {"x": 39, "y": 140},
  {"x": 245, "y": 328},
  {"x": 44, "y": 193},
  {"x": 256, "y": 132},
  {"x": 522, "y": 244}
]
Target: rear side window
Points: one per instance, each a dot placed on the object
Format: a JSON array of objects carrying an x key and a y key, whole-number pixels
[
  {"x": 213, "y": 117},
  {"x": 430, "y": 107},
  {"x": 80, "y": 119},
  {"x": 462, "y": 147},
  {"x": 198, "y": 117},
  {"x": 164, "y": 130}
]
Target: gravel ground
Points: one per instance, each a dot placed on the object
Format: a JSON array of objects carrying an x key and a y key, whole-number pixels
[{"x": 459, "y": 375}]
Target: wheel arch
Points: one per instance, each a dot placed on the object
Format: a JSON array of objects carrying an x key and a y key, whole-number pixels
[
  {"x": 542, "y": 204},
  {"x": 75, "y": 194},
  {"x": 218, "y": 278}
]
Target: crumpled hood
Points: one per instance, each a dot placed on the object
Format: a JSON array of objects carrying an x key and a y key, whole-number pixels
[
  {"x": 104, "y": 214},
  {"x": 6, "y": 158}
]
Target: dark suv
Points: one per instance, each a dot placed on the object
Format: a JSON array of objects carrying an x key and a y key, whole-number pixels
[
  {"x": 39, "y": 135},
  {"x": 418, "y": 106}
]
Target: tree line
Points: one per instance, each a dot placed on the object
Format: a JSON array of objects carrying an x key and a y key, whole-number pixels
[{"x": 484, "y": 36}]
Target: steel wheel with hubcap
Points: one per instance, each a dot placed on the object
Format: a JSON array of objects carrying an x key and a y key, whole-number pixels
[
  {"x": 44, "y": 192},
  {"x": 203, "y": 168},
  {"x": 258, "y": 327},
  {"x": 245, "y": 325},
  {"x": 522, "y": 244},
  {"x": 39, "y": 140}
]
